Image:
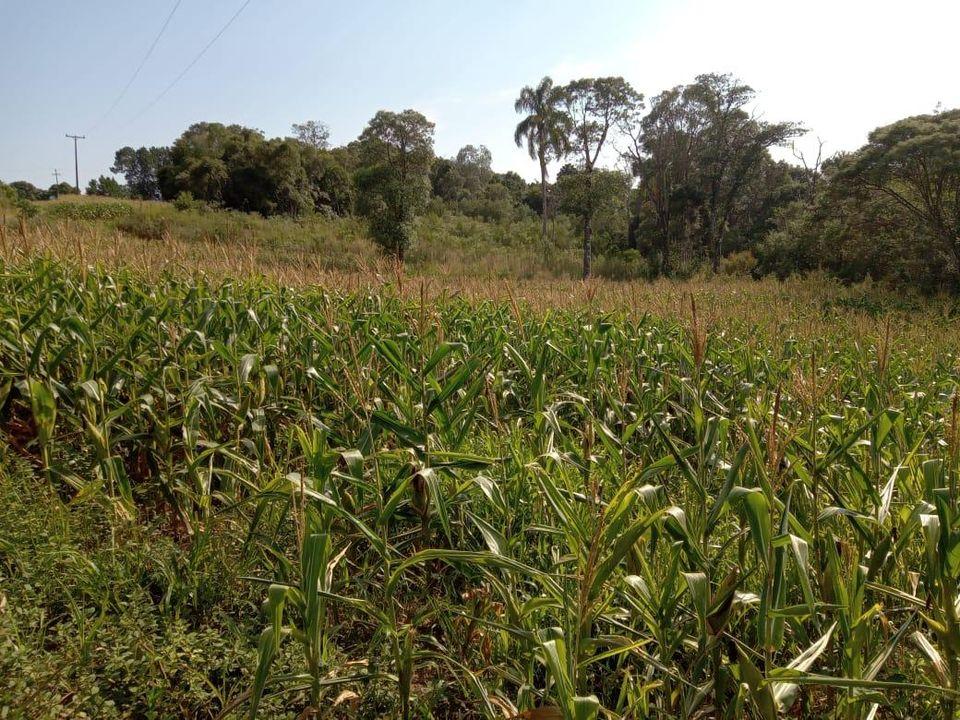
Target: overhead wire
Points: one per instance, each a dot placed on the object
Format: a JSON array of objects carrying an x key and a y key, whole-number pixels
[
  {"x": 190, "y": 65},
  {"x": 136, "y": 72}
]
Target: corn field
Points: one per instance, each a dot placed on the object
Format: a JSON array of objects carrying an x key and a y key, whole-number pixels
[{"x": 458, "y": 508}]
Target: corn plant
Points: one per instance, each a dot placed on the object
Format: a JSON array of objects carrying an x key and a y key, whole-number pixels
[{"x": 456, "y": 506}]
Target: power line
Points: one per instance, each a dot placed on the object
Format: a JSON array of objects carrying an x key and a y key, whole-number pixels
[
  {"x": 193, "y": 62},
  {"x": 139, "y": 67},
  {"x": 56, "y": 186}
]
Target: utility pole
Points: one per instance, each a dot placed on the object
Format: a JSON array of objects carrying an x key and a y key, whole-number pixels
[
  {"x": 76, "y": 164},
  {"x": 56, "y": 188}
]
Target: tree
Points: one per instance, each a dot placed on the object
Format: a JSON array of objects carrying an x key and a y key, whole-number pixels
[
  {"x": 514, "y": 183},
  {"x": 544, "y": 129},
  {"x": 396, "y": 153},
  {"x": 915, "y": 164},
  {"x": 239, "y": 168},
  {"x": 106, "y": 186},
  {"x": 312, "y": 133},
  {"x": 698, "y": 154},
  {"x": 600, "y": 197},
  {"x": 58, "y": 189},
  {"x": 201, "y": 159},
  {"x": 597, "y": 107},
  {"x": 662, "y": 154},
  {"x": 734, "y": 146},
  {"x": 463, "y": 177},
  {"x": 141, "y": 168},
  {"x": 474, "y": 163},
  {"x": 331, "y": 184},
  {"x": 26, "y": 190},
  {"x": 268, "y": 178}
]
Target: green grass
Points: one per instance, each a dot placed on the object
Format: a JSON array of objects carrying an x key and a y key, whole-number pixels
[
  {"x": 448, "y": 244},
  {"x": 229, "y": 498}
]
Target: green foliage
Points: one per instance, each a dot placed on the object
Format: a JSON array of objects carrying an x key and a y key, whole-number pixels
[
  {"x": 595, "y": 108},
  {"x": 141, "y": 168},
  {"x": 26, "y": 208},
  {"x": 239, "y": 168},
  {"x": 55, "y": 191},
  {"x": 313, "y": 133},
  {"x": 87, "y": 631},
  {"x": 707, "y": 183},
  {"x": 467, "y": 184},
  {"x": 396, "y": 151},
  {"x": 545, "y": 129},
  {"x": 853, "y": 221},
  {"x": 145, "y": 225},
  {"x": 27, "y": 191},
  {"x": 914, "y": 165},
  {"x": 600, "y": 198},
  {"x": 627, "y": 264},
  {"x": 457, "y": 508},
  {"x": 91, "y": 211},
  {"x": 185, "y": 202},
  {"x": 105, "y": 186}
]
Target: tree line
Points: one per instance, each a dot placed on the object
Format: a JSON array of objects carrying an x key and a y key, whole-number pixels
[
  {"x": 677, "y": 182},
  {"x": 24, "y": 190}
]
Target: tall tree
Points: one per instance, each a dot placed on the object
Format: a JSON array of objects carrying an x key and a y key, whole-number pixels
[
  {"x": 603, "y": 196},
  {"x": 544, "y": 129},
  {"x": 313, "y": 133},
  {"x": 473, "y": 162},
  {"x": 396, "y": 153},
  {"x": 698, "y": 153},
  {"x": 597, "y": 108},
  {"x": 662, "y": 154},
  {"x": 915, "y": 164},
  {"x": 141, "y": 168},
  {"x": 734, "y": 147}
]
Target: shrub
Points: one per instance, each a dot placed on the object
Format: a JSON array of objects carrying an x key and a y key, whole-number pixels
[
  {"x": 145, "y": 226},
  {"x": 623, "y": 265},
  {"x": 738, "y": 263},
  {"x": 25, "y": 207},
  {"x": 185, "y": 202}
]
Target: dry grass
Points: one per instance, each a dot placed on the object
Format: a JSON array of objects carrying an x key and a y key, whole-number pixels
[{"x": 803, "y": 308}]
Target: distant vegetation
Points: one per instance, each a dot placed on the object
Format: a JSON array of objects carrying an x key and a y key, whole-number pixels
[{"x": 663, "y": 186}]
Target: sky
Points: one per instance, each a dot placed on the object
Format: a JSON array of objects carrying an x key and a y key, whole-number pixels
[{"x": 840, "y": 67}]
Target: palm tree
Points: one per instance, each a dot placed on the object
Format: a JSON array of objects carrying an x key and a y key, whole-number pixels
[{"x": 544, "y": 128}]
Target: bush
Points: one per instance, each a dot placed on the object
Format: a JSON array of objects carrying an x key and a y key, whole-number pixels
[
  {"x": 738, "y": 263},
  {"x": 144, "y": 226},
  {"x": 25, "y": 207},
  {"x": 185, "y": 202},
  {"x": 624, "y": 265},
  {"x": 8, "y": 196}
]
